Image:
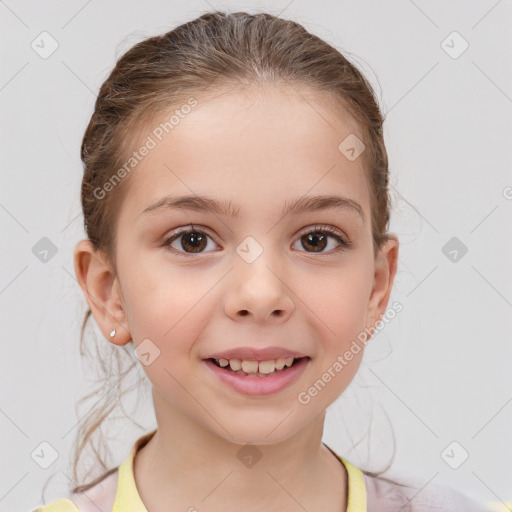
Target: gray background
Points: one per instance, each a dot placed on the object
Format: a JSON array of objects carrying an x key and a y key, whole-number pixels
[{"x": 439, "y": 372}]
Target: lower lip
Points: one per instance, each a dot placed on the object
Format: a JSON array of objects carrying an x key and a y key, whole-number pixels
[{"x": 260, "y": 385}]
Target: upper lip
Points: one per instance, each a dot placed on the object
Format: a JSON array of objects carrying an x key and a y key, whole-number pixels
[{"x": 256, "y": 354}]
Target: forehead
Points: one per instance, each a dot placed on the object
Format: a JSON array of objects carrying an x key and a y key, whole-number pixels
[{"x": 271, "y": 144}]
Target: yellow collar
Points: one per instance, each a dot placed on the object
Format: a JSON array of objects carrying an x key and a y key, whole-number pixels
[{"x": 128, "y": 499}]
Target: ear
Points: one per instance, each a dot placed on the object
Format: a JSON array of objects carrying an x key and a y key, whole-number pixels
[
  {"x": 386, "y": 263},
  {"x": 100, "y": 285}
]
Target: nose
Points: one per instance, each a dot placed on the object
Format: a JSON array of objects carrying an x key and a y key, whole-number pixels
[{"x": 260, "y": 291}]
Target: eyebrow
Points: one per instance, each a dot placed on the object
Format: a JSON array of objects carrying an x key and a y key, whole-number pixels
[{"x": 295, "y": 206}]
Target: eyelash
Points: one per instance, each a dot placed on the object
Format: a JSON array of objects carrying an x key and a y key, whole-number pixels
[{"x": 326, "y": 230}]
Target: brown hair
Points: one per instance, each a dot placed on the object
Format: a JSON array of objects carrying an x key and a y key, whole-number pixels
[{"x": 200, "y": 57}]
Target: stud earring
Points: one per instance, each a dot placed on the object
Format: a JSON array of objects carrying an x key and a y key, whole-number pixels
[{"x": 113, "y": 333}]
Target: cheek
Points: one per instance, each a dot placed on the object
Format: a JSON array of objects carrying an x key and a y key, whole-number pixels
[
  {"x": 336, "y": 303},
  {"x": 164, "y": 303}
]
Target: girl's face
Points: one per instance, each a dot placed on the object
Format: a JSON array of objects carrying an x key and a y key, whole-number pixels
[{"x": 254, "y": 279}]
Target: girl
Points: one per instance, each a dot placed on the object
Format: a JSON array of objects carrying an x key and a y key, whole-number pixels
[{"x": 236, "y": 205}]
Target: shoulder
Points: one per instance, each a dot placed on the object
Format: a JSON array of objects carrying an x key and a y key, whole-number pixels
[
  {"x": 386, "y": 495},
  {"x": 99, "y": 498}
]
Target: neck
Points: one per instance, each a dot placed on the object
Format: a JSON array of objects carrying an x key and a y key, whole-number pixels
[{"x": 185, "y": 465}]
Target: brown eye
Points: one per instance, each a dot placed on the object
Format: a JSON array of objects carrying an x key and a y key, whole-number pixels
[
  {"x": 189, "y": 241},
  {"x": 317, "y": 240},
  {"x": 195, "y": 241}
]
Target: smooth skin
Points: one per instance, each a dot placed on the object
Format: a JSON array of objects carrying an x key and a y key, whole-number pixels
[{"x": 258, "y": 148}]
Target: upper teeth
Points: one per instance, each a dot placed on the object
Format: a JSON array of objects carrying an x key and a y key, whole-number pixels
[{"x": 255, "y": 366}]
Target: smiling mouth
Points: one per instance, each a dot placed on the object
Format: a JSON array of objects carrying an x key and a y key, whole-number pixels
[{"x": 253, "y": 367}]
